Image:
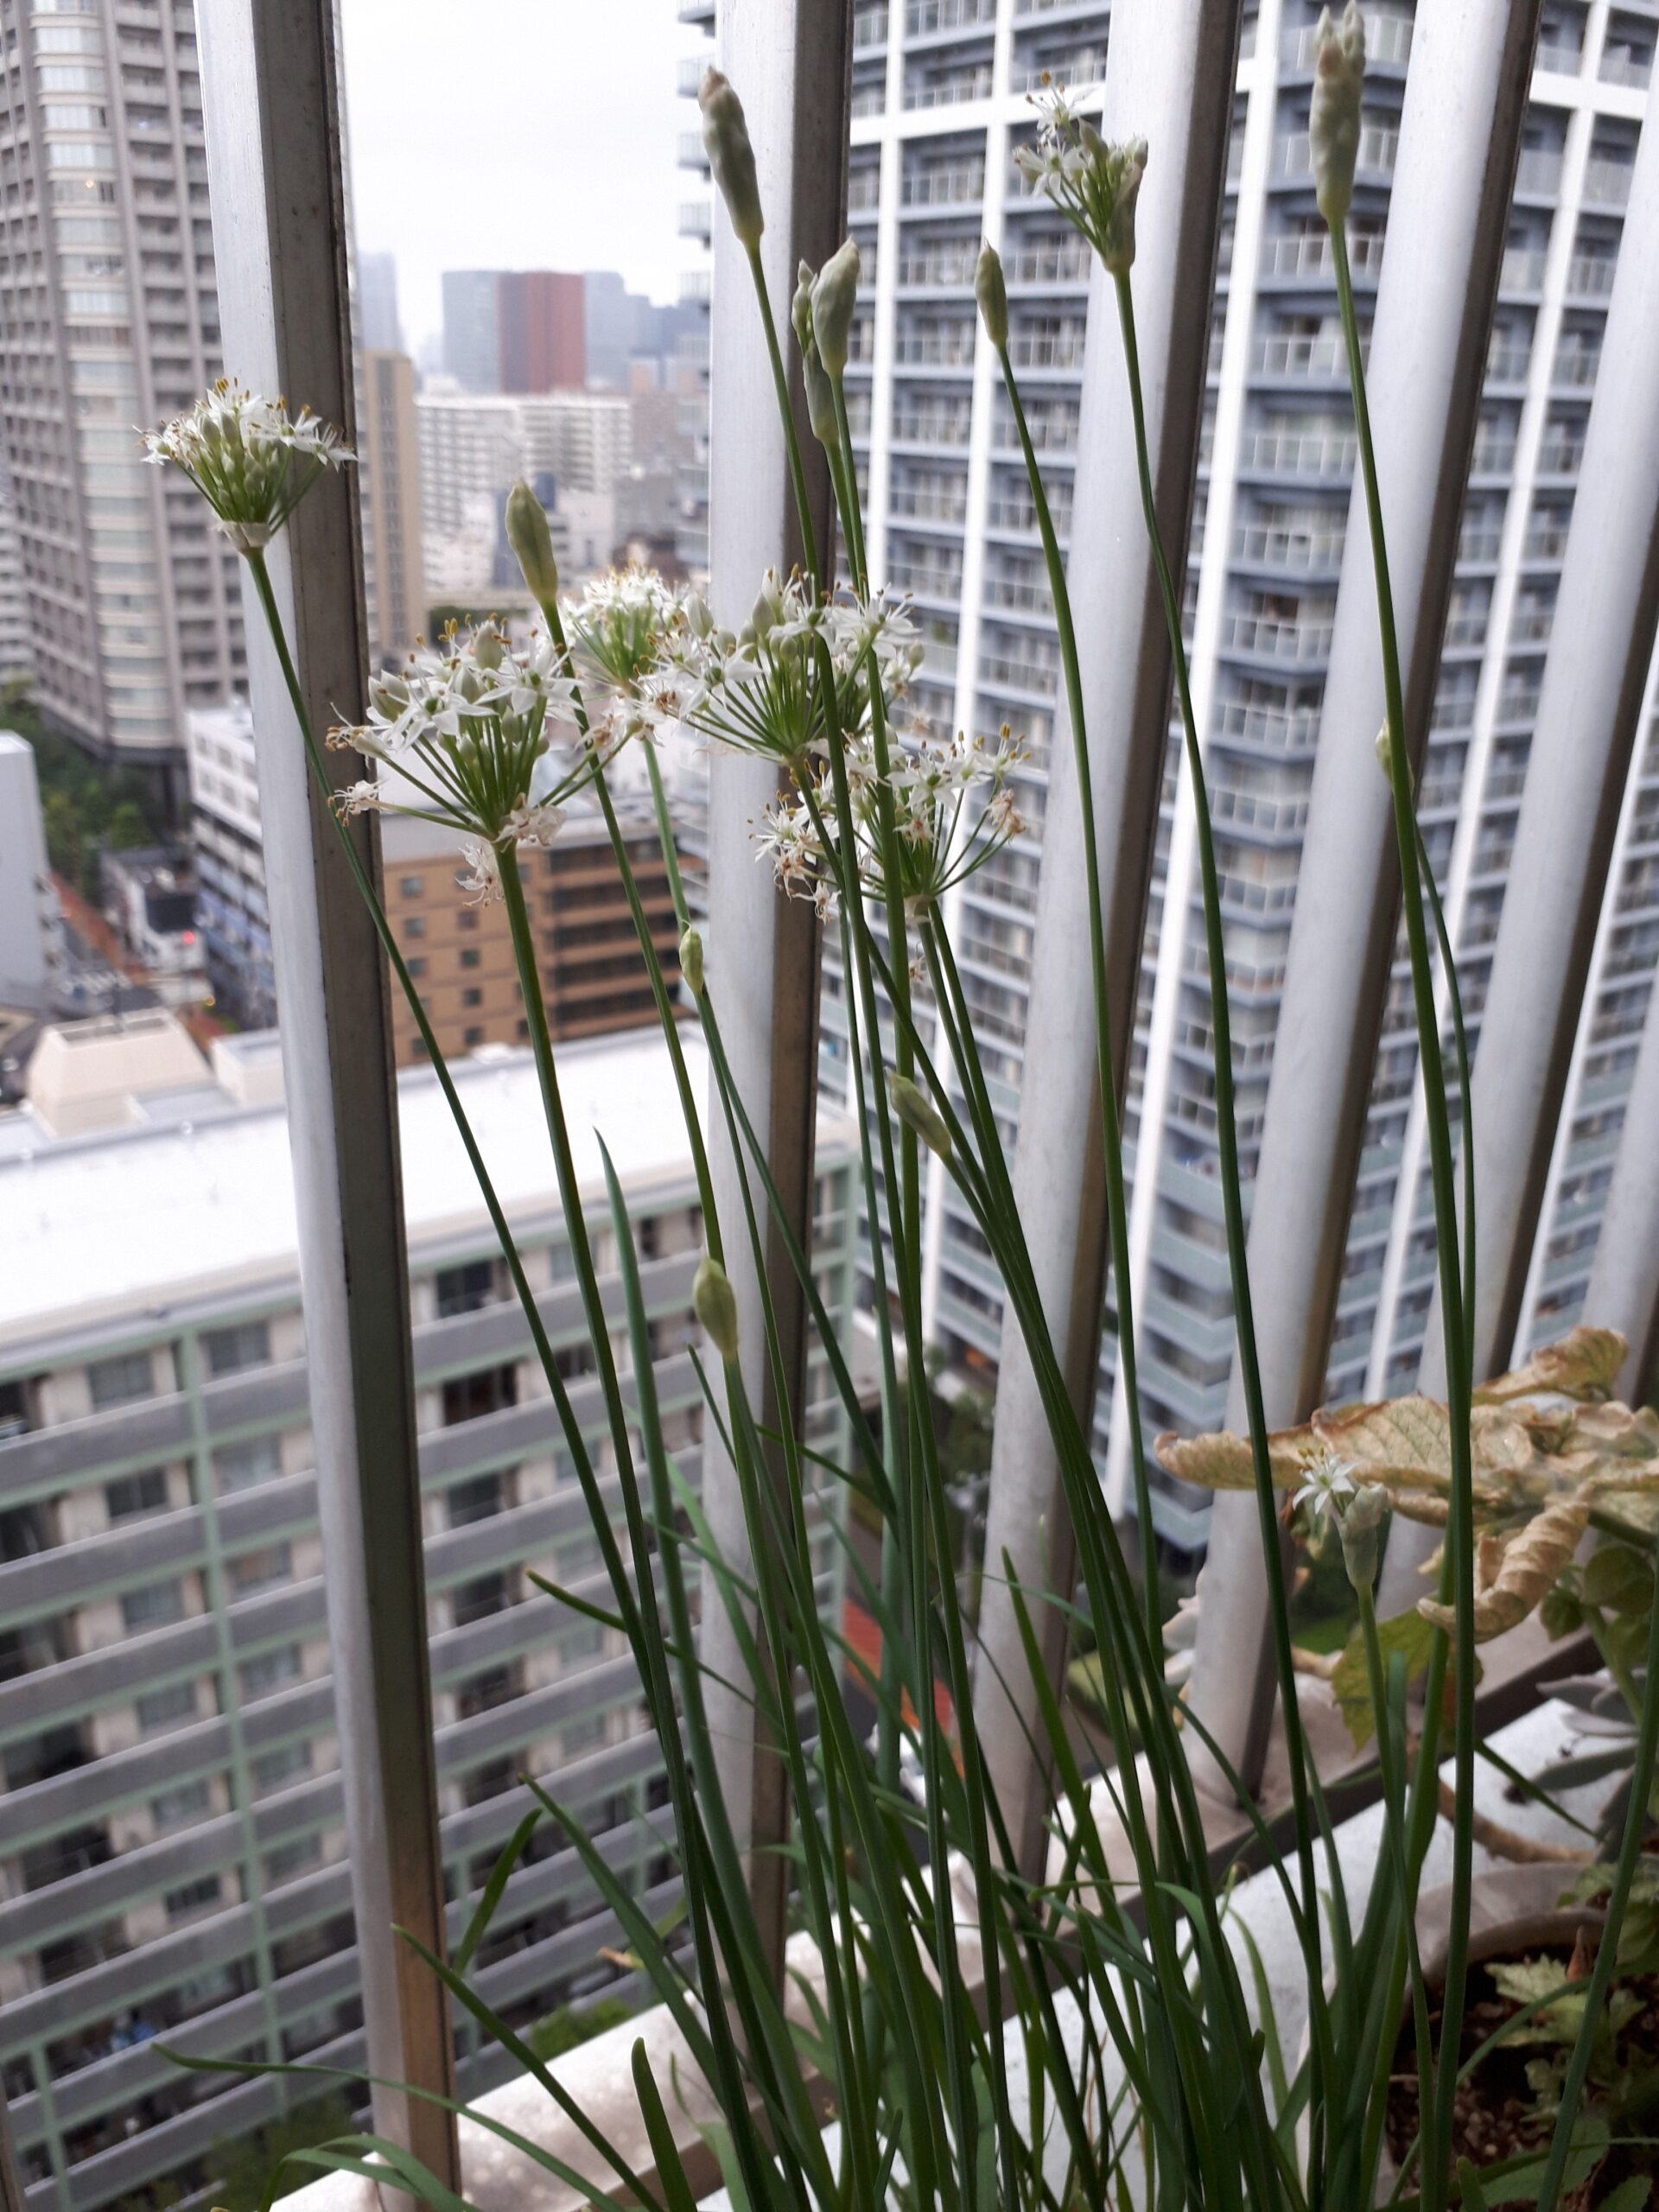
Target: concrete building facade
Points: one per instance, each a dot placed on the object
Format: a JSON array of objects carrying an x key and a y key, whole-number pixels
[
  {"x": 173, "y": 1859},
  {"x": 31, "y": 928},
  {"x": 941, "y": 99},
  {"x": 108, "y": 317}
]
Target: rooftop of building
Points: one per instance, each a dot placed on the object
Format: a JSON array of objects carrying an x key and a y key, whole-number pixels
[{"x": 192, "y": 1200}]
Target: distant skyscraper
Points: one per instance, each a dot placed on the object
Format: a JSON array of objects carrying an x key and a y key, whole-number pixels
[
  {"x": 379, "y": 330},
  {"x": 109, "y": 316},
  {"x": 472, "y": 332},
  {"x": 389, "y": 438},
  {"x": 619, "y": 324},
  {"x": 16, "y": 658},
  {"x": 514, "y": 330}
]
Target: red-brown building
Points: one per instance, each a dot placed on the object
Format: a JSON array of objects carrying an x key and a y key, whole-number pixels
[{"x": 543, "y": 330}]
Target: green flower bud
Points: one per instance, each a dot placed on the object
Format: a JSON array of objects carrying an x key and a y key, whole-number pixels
[
  {"x": 691, "y": 962},
  {"x": 992, "y": 294},
  {"x": 835, "y": 295},
  {"x": 532, "y": 544},
  {"x": 918, "y": 1112},
  {"x": 1334, "y": 118},
  {"x": 1362, "y": 1534},
  {"x": 1123, "y": 166},
  {"x": 726, "y": 140},
  {"x": 800, "y": 307},
  {"x": 820, "y": 399},
  {"x": 715, "y": 1303}
]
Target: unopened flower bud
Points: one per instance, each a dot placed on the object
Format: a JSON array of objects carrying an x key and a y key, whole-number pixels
[
  {"x": 488, "y": 647},
  {"x": 820, "y": 398},
  {"x": 691, "y": 962},
  {"x": 992, "y": 294},
  {"x": 800, "y": 307},
  {"x": 835, "y": 295},
  {"x": 388, "y": 696},
  {"x": 715, "y": 1303},
  {"x": 1385, "y": 752},
  {"x": 918, "y": 1112},
  {"x": 726, "y": 140},
  {"x": 1125, "y": 165},
  {"x": 532, "y": 544},
  {"x": 1361, "y": 1528},
  {"x": 1334, "y": 118}
]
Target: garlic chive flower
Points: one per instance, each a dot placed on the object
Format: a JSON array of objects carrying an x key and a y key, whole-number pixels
[
  {"x": 993, "y": 296},
  {"x": 731, "y": 156},
  {"x": 1094, "y": 185},
  {"x": 621, "y": 627},
  {"x": 759, "y": 689},
  {"x": 835, "y": 296},
  {"x": 1327, "y": 1483},
  {"x": 474, "y": 738},
  {"x": 1334, "y": 117},
  {"x": 251, "y": 460},
  {"x": 953, "y": 806}
]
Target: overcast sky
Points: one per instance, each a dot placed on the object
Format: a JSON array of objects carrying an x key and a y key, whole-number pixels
[{"x": 516, "y": 133}]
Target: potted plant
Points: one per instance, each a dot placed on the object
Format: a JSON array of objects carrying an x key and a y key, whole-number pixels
[{"x": 981, "y": 2038}]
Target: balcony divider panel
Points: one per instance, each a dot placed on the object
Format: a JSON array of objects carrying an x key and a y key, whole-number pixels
[
  {"x": 1169, "y": 79},
  {"x": 1589, "y": 709},
  {"x": 790, "y": 61},
  {"x": 1459, "y": 139},
  {"x": 272, "y": 99}
]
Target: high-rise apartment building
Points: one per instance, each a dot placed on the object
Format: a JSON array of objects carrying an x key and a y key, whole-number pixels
[
  {"x": 173, "y": 1855},
  {"x": 389, "y": 442},
  {"x": 473, "y": 446},
  {"x": 232, "y": 914},
  {"x": 16, "y": 655},
  {"x": 940, "y": 101},
  {"x": 108, "y": 317}
]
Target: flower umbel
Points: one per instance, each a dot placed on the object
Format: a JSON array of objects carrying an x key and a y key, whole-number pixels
[
  {"x": 465, "y": 732},
  {"x": 1334, "y": 118},
  {"x": 1094, "y": 184},
  {"x": 249, "y": 459}
]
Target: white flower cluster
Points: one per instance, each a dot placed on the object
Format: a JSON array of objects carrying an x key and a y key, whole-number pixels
[
  {"x": 249, "y": 459},
  {"x": 1094, "y": 184},
  {"x": 469, "y": 729},
  {"x": 620, "y": 628},
  {"x": 761, "y": 689},
  {"x": 953, "y": 806}
]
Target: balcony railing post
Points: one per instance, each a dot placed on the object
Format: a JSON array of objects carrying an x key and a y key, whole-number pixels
[
  {"x": 1169, "y": 79},
  {"x": 1460, "y": 133},
  {"x": 1624, "y": 1290},
  {"x": 1601, "y": 647},
  {"x": 790, "y": 61},
  {"x": 270, "y": 85}
]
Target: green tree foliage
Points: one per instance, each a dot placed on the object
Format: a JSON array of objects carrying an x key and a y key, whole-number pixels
[{"x": 89, "y": 808}]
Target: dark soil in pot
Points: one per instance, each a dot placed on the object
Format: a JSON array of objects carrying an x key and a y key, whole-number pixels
[{"x": 1496, "y": 2116}]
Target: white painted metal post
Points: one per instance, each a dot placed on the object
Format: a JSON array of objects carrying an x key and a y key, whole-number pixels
[
  {"x": 1625, "y": 1278},
  {"x": 271, "y": 88},
  {"x": 1601, "y": 645},
  {"x": 1460, "y": 133},
  {"x": 1170, "y": 79},
  {"x": 790, "y": 62}
]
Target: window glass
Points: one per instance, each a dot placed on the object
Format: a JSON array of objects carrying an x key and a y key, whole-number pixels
[
  {"x": 136, "y": 1494},
  {"x": 117, "y": 1381},
  {"x": 245, "y": 1344}
]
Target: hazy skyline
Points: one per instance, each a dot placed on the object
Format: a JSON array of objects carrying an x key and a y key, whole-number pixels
[{"x": 516, "y": 133}]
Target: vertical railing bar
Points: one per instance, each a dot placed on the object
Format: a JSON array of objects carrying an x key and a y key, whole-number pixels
[
  {"x": 1170, "y": 77},
  {"x": 790, "y": 61},
  {"x": 1459, "y": 140},
  {"x": 1624, "y": 1290},
  {"x": 271, "y": 99},
  {"x": 1584, "y": 736}
]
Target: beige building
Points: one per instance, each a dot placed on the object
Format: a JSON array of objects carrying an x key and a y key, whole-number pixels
[
  {"x": 390, "y": 440},
  {"x": 462, "y": 957}
]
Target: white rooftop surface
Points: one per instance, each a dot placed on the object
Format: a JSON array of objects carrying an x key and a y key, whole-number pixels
[{"x": 177, "y": 1209}]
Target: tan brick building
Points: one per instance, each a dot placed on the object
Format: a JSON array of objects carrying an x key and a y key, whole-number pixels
[{"x": 461, "y": 956}]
